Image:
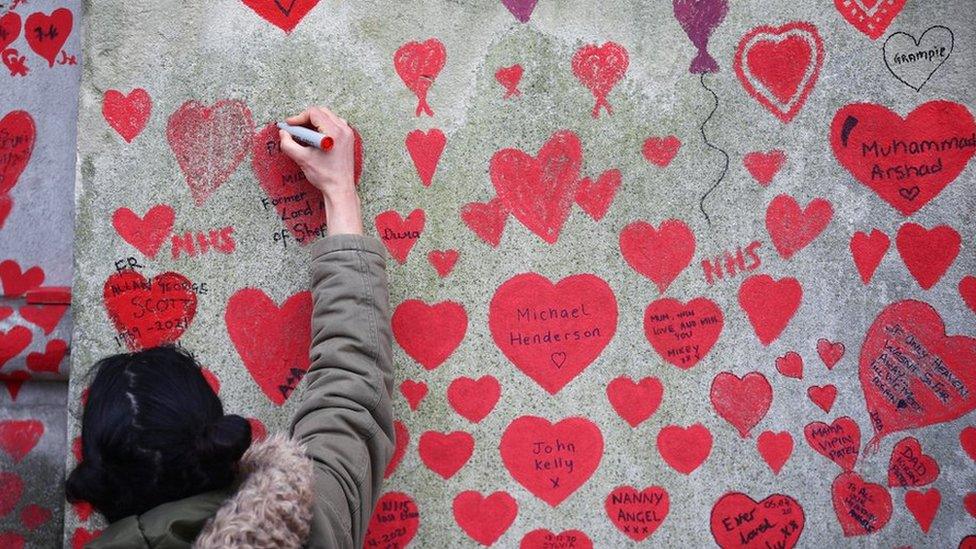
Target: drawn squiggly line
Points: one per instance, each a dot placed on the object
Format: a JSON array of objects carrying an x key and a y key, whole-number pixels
[{"x": 725, "y": 168}]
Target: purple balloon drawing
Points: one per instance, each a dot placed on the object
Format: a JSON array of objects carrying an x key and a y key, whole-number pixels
[
  {"x": 521, "y": 9},
  {"x": 699, "y": 18}
]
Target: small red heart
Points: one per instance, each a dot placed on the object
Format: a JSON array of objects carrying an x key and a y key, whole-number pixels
[
  {"x": 394, "y": 522},
  {"x": 927, "y": 253},
  {"x": 429, "y": 333},
  {"x": 45, "y": 316},
  {"x": 967, "y": 438},
  {"x": 909, "y": 466},
  {"x": 823, "y": 396},
  {"x": 399, "y": 234},
  {"x": 17, "y": 283},
  {"x": 13, "y": 382},
  {"x": 33, "y": 516},
  {"x": 661, "y": 150},
  {"x": 6, "y": 205},
  {"x": 635, "y": 402},
  {"x": 443, "y": 261},
  {"x": 400, "y": 440},
  {"x": 546, "y": 539},
  {"x": 50, "y": 360},
  {"x": 19, "y": 437},
  {"x": 486, "y": 220},
  {"x": 474, "y": 399},
  {"x": 770, "y": 304},
  {"x": 660, "y": 254},
  {"x": 83, "y": 509},
  {"x": 839, "y": 442},
  {"x": 830, "y": 352},
  {"x": 425, "y": 150},
  {"x": 509, "y": 78},
  {"x": 775, "y": 448},
  {"x": 742, "y": 401},
  {"x": 147, "y": 233},
  {"x": 595, "y": 197},
  {"x": 790, "y": 365},
  {"x": 792, "y": 228},
  {"x": 127, "y": 114},
  {"x": 763, "y": 166},
  {"x": 484, "y": 519},
  {"x": 923, "y": 506},
  {"x": 414, "y": 392},
  {"x": 12, "y": 342},
  {"x": 445, "y": 454},
  {"x": 83, "y": 537},
  {"x": 684, "y": 448},
  {"x": 638, "y": 514},
  {"x": 967, "y": 289},
  {"x": 868, "y": 251}
]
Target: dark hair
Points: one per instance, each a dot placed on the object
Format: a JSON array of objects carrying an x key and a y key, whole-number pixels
[{"x": 153, "y": 431}]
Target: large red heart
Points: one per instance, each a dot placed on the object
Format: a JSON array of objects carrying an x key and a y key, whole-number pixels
[
  {"x": 552, "y": 332},
  {"x": 394, "y": 522},
  {"x": 769, "y": 304},
  {"x": 779, "y": 66},
  {"x": 19, "y": 437},
  {"x": 127, "y": 114},
  {"x": 683, "y": 333},
  {"x": 737, "y": 520},
  {"x": 147, "y": 233},
  {"x": 399, "y": 234},
  {"x": 445, "y": 454},
  {"x": 909, "y": 466},
  {"x": 418, "y": 64},
  {"x": 18, "y": 131},
  {"x": 11, "y": 489},
  {"x": 861, "y": 507},
  {"x": 10, "y": 24},
  {"x": 635, "y": 402},
  {"x": 401, "y": 438},
  {"x": 927, "y": 253},
  {"x": 839, "y": 442},
  {"x": 905, "y": 161},
  {"x": 551, "y": 460},
  {"x": 149, "y": 312},
  {"x": 425, "y": 150},
  {"x": 923, "y": 506},
  {"x": 871, "y": 17},
  {"x": 684, "y": 448},
  {"x": 284, "y": 14},
  {"x": 45, "y": 316},
  {"x": 474, "y": 399},
  {"x": 272, "y": 341},
  {"x": 482, "y": 518},
  {"x": 599, "y": 68},
  {"x": 209, "y": 143},
  {"x": 775, "y": 448},
  {"x": 12, "y": 342},
  {"x": 546, "y": 539},
  {"x": 912, "y": 373},
  {"x": 659, "y": 254},
  {"x": 486, "y": 220},
  {"x": 792, "y": 228},
  {"x": 638, "y": 514},
  {"x": 539, "y": 191},
  {"x": 594, "y": 197},
  {"x": 16, "y": 282},
  {"x": 742, "y": 401},
  {"x": 429, "y": 333},
  {"x": 46, "y": 34},
  {"x": 868, "y": 251}
]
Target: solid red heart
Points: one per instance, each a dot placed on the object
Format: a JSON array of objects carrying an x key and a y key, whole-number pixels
[
  {"x": 742, "y": 401},
  {"x": 150, "y": 312},
  {"x": 13, "y": 381},
  {"x": 394, "y": 522},
  {"x": 147, "y": 233},
  {"x": 509, "y": 78},
  {"x": 445, "y": 454},
  {"x": 474, "y": 399},
  {"x": 486, "y": 220},
  {"x": 484, "y": 519},
  {"x": 763, "y": 166},
  {"x": 599, "y": 68},
  {"x": 12, "y": 342},
  {"x": 967, "y": 439},
  {"x": 684, "y": 448},
  {"x": 539, "y": 190},
  {"x": 791, "y": 228},
  {"x": 658, "y": 254},
  {"x": 418, "y": 64},
  {"x": 909, "y": 466},
  {"x": 50, "y": 360},
  {"x": 638, "y": 514},
  {"x": 905, "y": 161},
  {"x": 552, "y": 332},
  {"x": 927, "y": 253},
  {"x": 775, "y": 448},
  {"x": 209, "y": 143},
  {"x": 284, "y": 14},
  {"x": 823, "y": 396},
  {"x": 45, "y": 317},
  {"x": 12, "y": 540},
  {"x": 967, "y": 289},
  {"x": 425, "y": 150},
  {"x": 401, "y": 440},
  {"x": 790, "y": 365},
  {"x": 414, "y": 392},
  {"x": 5, "y": 312},
  {"x": 595, "y": 197},
  {"x": 10, "y": 24},
  {"x": 683, "y": 333},
  {"x": 272, "y": 341},
  {"x": 127, "y": 114},
  {"x": 839, "y": 442},
  {"x": 868, "y": 251},
  {"x": 546, "y": 539},
  {"x": 443, "y": 261},
  {"x": 83, "y": 510},
  {"x": 770, "y": 304},
  {"x": 551, "y": 460},
  {"x": 861, "y": 507},
  {"x": 923, "y": 506},
  {"x": 635, "y": 402},
  {"x": 17, "y": 283},
  {"x": 778, "y": 66},
  {"x": 19, "y": 437},
  {"x": 928, "y": 382},
  {"x": 6, "y": 204},
  {"x": 969, "y": 502},
  {"x": 429, "y": 333},
  {"x": 34, "y": 516},
  {"x": 830, "y": 352},
  {"x": 46, "y": 34},
  {"x": 737, "y": 520},
  {"x": 661, "y": 150},
  {"x": 869, "y": 16},
  {"x": 19, "y": 133},
  {"x": 398, "y": 234},
  {"x": 11, "y": 489},
  {"x": 83, "y": 536}
]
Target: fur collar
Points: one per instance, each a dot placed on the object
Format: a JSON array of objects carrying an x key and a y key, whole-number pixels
[{"x": 273, "y": 504}]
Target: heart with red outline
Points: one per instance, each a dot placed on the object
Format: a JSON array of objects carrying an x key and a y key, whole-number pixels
[{"x": 737, "y": 520}]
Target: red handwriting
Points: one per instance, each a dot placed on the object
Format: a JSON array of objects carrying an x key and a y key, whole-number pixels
[{"x": 742, "y": 260}]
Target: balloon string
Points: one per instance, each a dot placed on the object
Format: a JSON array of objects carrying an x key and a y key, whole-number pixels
[{"x": 725, "y": 168}]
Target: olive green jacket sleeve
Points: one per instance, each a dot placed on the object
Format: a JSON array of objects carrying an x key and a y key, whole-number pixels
[{"x": 345, "y": 415}]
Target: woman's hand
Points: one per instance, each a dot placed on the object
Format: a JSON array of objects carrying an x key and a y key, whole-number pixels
[{"x": 330, "y": 171}]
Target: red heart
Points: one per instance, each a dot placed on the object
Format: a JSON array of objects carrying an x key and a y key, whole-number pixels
[
  {"x": 50, "y": 360},
  {"x": 394, "y": 522},
  {"x": 83, "y": 510},
  {"x": 425, "y": 150},
  {"x": 927, "y": 253},
  {"x": 474, "y": 399},
  {"x": 763, "y": 166},
  {"x": 484, "y": 519},
  {"x": 969, "y": 502},
  {"x": 635, "y": 402},
  {"x": 284, "y": 14},
  {"x": 967, "y": 289},
  {"x": 148, "y": 233},
  {"x": 769, "y": 304},
  {"x": 398, "y": 234},
  {"x": 418, "y": 64},
  {"x": 149, "y": 312},
  {"x": 742, "y": 401},
  {"x": 9, "y": 29},
  {"x": 19, "y": 133},
  {"x": 830, "y": 352},
  {"x": 445, "y": 454},
  {"x": 272, "y": 341},
  {"x": 599, "y": 68},
  {"x": 414, "y": 392},
  {"x": 11, "y": 489},
  {"x": 486, "y": 220},
  {"x": 443, "y": 261},
  {"x": 552, "y": 332},
  {"x": 861, "y": 507},
  {"x": 661, "y": 150},
  {"x": 18, "y": 438},
  {"x": 899, "y": 392},
  {"x": 923, "y": 506},
  {"x": 12, "y": 540},
  {"x": 83, "y": 537},
  {"x": 551, "y": 460},
  {"x": 209, "y": 143},
  {"x": 737, "y": 520},
  {"x": 877, "y": 146},
  {"x": 790, "y": 365},
  {"x": 258, "y": 431},
  {"x": 778, "y": 66},
  {"x": 5, "y": 312},
  {"x": 13, "y": 381},
  {"x": 595, "y": 197},
  {"x": 509, "y": 77},
  {"x": 638, "y": 514},
  {"x": 46, "y": 34},
  {"x": 683, "y": 333},
  {"x": 658, "y": 254},
  {"x": 429, "y": 333},
  {"x": 212, "y": 380},
  {"x": 6, "y": 204},
  {"x": 823, "y": 396},
  {"x": 909, "y": 466},
  {"x": 17, "y": 283},
  {"x": 545, "y": 539},
  {"x": 839, "y": 442},
  {"x": 401, "y": 440},
  {"x": 967, "y": 439},
  {"x": 868, "y": 251},
  {"x": 539, "y": 190},
  {"x": 775, "y": 448},
  {"x": 792, "y": 229},
  {"x": 869, "y": 16},
  {"x": 684, "y": 448},
  {"x": 12, "y": 342},
  {"x": 45, "y": 317},
  {"x": 33, "y": 516},
  {"x": 127, "y": 114}
]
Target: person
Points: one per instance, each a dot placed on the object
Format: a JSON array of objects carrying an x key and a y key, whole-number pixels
[{"x": 168, "y": 469}]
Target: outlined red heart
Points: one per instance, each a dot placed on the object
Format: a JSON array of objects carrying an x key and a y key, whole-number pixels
[
  {"x": 484, "y": 518},
  {"x": 401, "y": 438},
  {"x": 659, "y": 254},
  {"x": 684, "y": 448},
  {"x": 551, "y": 460},
  {"x": 399, "y": 234},
  {"x": 147, "y": 233},
  {"x": 474, "y": 399},
  {"x": 909, "y": 466},
  {"x": 127, "y": 114},
  {"x": 742, "y": 401},
  {"x": 770, "y": 304},
  {"x": 599, "y": 68},
  {"x": 414, "y": 392},
  {"x": 12, "y": 342},
  {"x": 445, "y": 454},
  {"x": 486, "y": 220},
  {"x": 791, "y": 228},
  {"x": 839, "y": 441},
  {"x": 868, "y": 251},
  {"x": 595, "y": 197},
  {"x": 50, "y": 360},
  {"x": 830, "y": 352},
  {"x": 861, "y": 507},
  {"x": 927, "y": 253},
  {"x": 660, "y": 151},
  {"x": 16, "y": 147},
  {"x": 546, "y": 539},
  {"x": 273, "y": 342},
  {"x": 823, "y": 396},
  {"x": 907, "y": 161},
  {"x": 46, "y": 34},
  {"x": 425, "y": 150},
  {"x": 19, "y": 437},
  {"x": 15, "y": 282},
  {"x": 775, "y": 448},
  {"x": 552, "y": 332},
  {"x": 790, "y": 365},
  {"x": 443, "y": 261},
  {"x": 737, "y": 520},
  {"x": 871, "y": 17},
  {"x": 509, "y": 77},
  {"x": 418, "y": 64},
  {"x": 778, "y": 66},
  {"x": 763, "y": 166},
  {"x": 638, "y": 514},
  {"x": 429, "y": 333},
  {"x": 635, "y": 402},
  {"x": 394, "y": 522},
  {"x": 683, "y": 333},
  {"x": 152, "y": 311}
]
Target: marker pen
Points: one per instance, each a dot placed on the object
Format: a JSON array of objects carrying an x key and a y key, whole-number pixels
[{"x": 308, "y": 137}]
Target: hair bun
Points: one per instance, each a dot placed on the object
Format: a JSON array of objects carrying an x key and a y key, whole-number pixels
[{"x": 225, "y": 440}]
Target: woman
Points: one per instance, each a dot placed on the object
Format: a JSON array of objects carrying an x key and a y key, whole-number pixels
[{"x": 168, "y": 469}]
